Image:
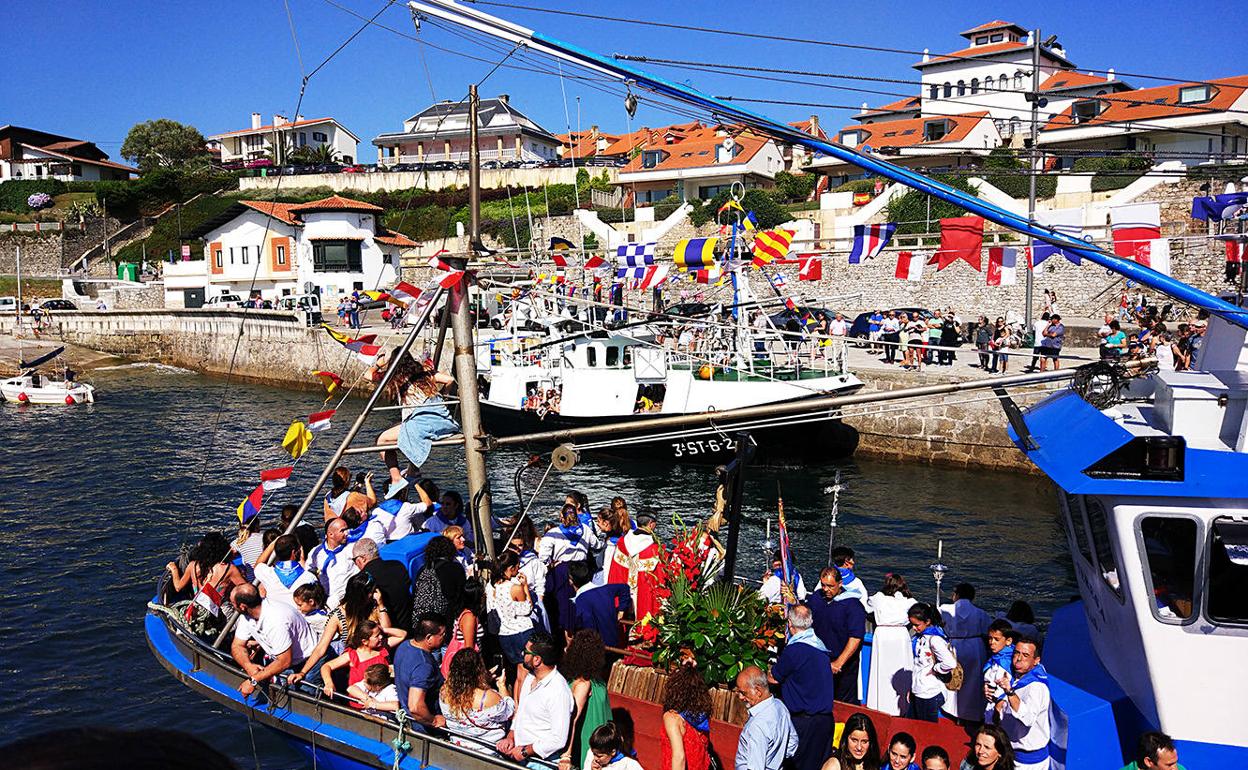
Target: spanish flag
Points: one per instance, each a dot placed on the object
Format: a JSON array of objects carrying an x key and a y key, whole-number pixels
[
  {"x": 297, "y": 439},
  {"x": 770, "y": 245},
  {"x": 695, "y": 254}
]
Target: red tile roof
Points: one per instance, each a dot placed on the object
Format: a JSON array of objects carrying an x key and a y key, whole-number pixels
[
  {"x": 698, "y": 151},
  {"x": 293, "y": 124},
  {"x": 279, "y": 211},
  {"x": 901, "y": 105},
  {"x": 584, "y": 144},
  {"x": 394, "y": 238},
  {"x": 1155, "y": 103},
  {"x": 334, "y": 203},
  {"x": 909, "y": 132},
  {"x": 976, "y": 50},
  {"x": 996, "y": 24},
  {"x": 1072, "y": 79},
  {"x": 804, "y": 127}
]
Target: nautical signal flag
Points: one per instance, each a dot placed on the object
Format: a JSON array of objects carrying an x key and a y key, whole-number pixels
[
  {"x": 1002, "y": 265},
  {"x": 331, "y": 381},
  {"x": 731, "y": 203},
  {"x": 749, "y": 222},
  {"x": 909, "y": 266},
  {"x": 593, "y": 262},
  {"x": 275, "y": 478},
  {"x": 1235, "y": 254},
  {"x": 870, "y": 240},
  {"x": 1133, "y": 226},
  {"x": 811, "y": 269},
  {"x": 713, "y": 273},
  {"x": 297, "y": 440},
  {"x": 1065, "y": 221},
  {"x": 404, "y": 293},
  {"x": 656, "y": 276},
  {"x": 960, "y": 238},
  {"x": 695, "y": 254},
  {"x": 337, "y": 335},
  {"x": 319, "y": 421},
  {"x": 771, "y": 245},
  {"x": 452, "y": 276},
  {"x": 624, "y": 273},
  {"x": 365, "y": 351},
  {"x": 561, "y": 244},
  {"x": 249, "y": 508},
  {"x": 635, "y": 254},
  {"x": 559, "y": 259}
]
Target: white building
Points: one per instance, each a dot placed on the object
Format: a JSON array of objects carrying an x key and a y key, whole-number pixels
[
  {"x": 329, "y": 247},
  {"x": 26, "y": 153},
  {"x": 700, "y": 162},
  {"x": 440, "y": 133},
  {"x": 259, "y": 141}
]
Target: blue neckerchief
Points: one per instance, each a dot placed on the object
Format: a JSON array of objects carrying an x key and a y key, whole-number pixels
[
  {"x": 586, "y": 519},
  {"x": 808, "y": 637},
  {"x": 572, "y": 533},
  {"x": 699, "y": 722},
  {"x": 465, "y": 555},
  {"x": 847, "y": 574},
  {"x": 358, "y": 532},
  {"x": 459, "y": 520},
  {"x": 1037, "y": 674},
  {"x": 618, "y": 756},
  {"x": 1004, "y": 659},
  {"x": 288, "y": 572},
  {"x": 332, "y": 554},
  {"x": 929, "y": 631}
]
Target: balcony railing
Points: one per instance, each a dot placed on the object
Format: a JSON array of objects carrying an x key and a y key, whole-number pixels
[{"x": 462, "y": 157}]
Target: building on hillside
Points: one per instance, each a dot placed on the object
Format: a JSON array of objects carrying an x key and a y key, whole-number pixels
[
  {"x": 935, "y": 143},
  {"x": 26, "y": 153},
  {"x": 328, "y": 247},
  {"x": 440, "y": 133},
  {"x": 795, "y": 157},
  {"x": 585, "y": 144},
  {"x": 699, "y": 163},
  {"x": 281, "y": 138}
]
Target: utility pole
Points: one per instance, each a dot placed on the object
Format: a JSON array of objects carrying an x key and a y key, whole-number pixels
[
  {"x": 465, "y": 353},
  {"x": 1034, "y": 98}
]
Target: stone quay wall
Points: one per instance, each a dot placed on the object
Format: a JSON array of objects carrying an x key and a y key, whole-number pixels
[{"x": 52, "y": 251}]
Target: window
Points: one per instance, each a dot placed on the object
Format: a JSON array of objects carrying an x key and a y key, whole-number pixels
[
  {"x": 1195, "y": 94},
  {"x": 935, "y": 130},
  {"x": 303, "y": 139},
  {"x": 651, "y": 158},
  {"x": 318, "y": 136},
  {"x": 218, "y": 258},
  {"x": 1074, "y": 512},
  {"x": 244, "y": 255},
  {"x": 613, "y": 355},
  {"x": 75, "y": 169},
  {"x": 707, "y": 192},
  {"x": 1228, "y": 572},
  {"x": 933, "y": 91},
  {"x": 1018, "y": 81},
  {"x": 591, "y": 356},
  {"x": 961, "y": 88},
  {"x": 1098, "y": 528},
  {"x": 948, "y": 90},
  {"x": 1084, "y": 111},
  {"x": 1016, "y": 126},
  {"x": 981, "y": 40},
  {"x": 1169, "y": 547},
  {"x": 850, "y": 138},
  {"x": 974, "y": 86},
  {"x": 1005, "y": 84},
  {"x": 281, "y": 255},
  {"x": 231, "y": 255},
  {"x": 997, "y": 38},
  {"x": 336, "y": 257}
]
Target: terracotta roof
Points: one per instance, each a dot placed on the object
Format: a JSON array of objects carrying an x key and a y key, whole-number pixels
[
  {"x": 901, "y": 105},
  {"x": 77, "y": 159},
  {"x": 1155, "y": 103},
  {"x": 284, "y": 126},
  {"x": 69, "y": 145},
  {"x": 977, "y": 50},
  {"x": 909, "y": 132},
  {"x": 652, "y": 137},
  {"x": 393, "y": 238},
  {"x": 334, "y": 203},
  {"x": 279, "y": 211},
  {"x": 1060, "y": 81},
  {"x": 584, "y": 144},
  {"x": 996, "y": 24},
  {"x": 804, "y": 127},
  {"x": 698, "y": 152}
]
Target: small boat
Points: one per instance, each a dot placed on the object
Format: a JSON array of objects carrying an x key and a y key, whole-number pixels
[{"x": 33, "y": 387}]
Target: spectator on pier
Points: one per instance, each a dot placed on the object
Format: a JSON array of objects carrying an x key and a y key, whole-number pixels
[
  {"x": 859, "y": 749},
  {"x": 935, "y": 758},
  {"x": 417, "y": 676},
  {"x": 875, "y": 327},
  {"x": 1051, "y": 343},
  {"x": 983, "y": 341},
  {"x": 510, "y": 608},
  {"x": 366, "y": 647},
  {"x": 768, "y": 737},
  {"x": 329, "y": 562},
  {"x": 840, "y": 626},
  {"x": 1001, "y": 639},
  {"x": 933, "y": 658},
  {"x": 950, "y": 338},
  {"x": 439, "y": 585},
  {"x": 890, "y": 336},
  {"x": 564, "y": 541},
  {"x": 888, "y": 686},
  {"x": 967, "y": 626},
  {"x": 583, "y": 666},
  {"x": 474, "y": 703},
  {"x": 1037, "y": 334},
  {"x": 544, "y": 706},
  {"x": 343, "y": 493},
  {"x": 902, "y": 750},
  {"x": 598, "y": 606},
  {"x": 806, "y": 687},
  {"x": 990, "y": 750},
  {"x": 1155, "y": 751},
  {"x": 1023, "y": 712},
  {"x": 685, "y": 743},
  {"x": 844, "y": 561},
  {"x": 279, "y": 580},
  {"x": 280, "y": 631},
  {"x": 391, "y": 579}
]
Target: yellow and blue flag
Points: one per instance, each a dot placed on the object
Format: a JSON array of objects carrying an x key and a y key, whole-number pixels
[
  {"x": 750, "y": 222},
  {"x": 694, "y": 254},
  {"x": 249, "y": 508}
]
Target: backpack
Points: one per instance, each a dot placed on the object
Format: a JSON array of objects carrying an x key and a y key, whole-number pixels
[{"x": 427, "y": 595}]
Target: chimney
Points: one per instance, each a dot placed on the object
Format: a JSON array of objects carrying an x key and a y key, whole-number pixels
[
  {"x": 814, "y": 125},
  {"x": 864, "y": 108},
  {"x": 593, "y": 132},
  {"x": 926, "y": 55},
  {"x": 255, "y": 120},
  {"x": 1110, "y": 74},
  {"x": 504, "y": 98},
  {"x": 298, "y": 118},
  {"x": 279, "y": 120}
]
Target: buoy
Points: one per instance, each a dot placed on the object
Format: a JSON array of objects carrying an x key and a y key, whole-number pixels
[
  {"x": 22, "y": 398},
  {"x": 705, "y": 372},
  {"x": 69, "y": 400}
]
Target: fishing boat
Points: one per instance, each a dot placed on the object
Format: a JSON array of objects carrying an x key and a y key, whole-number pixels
[{"x": 33, "y": 387}]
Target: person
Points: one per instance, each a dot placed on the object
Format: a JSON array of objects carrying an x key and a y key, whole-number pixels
[
  {"x": 474, "y": 704},
  {"x": 415, "y": 387},
  {"x": 210, "y": 574},
  {"x": 1115, "y": 345},
  {"x": 439, "y": 585},
  {"x": 934, "y": 326},
  {"x": 598, "y": 606},
  {"x": 950, "y": 338},
  {"x": 875, "y": 325},
  {"x": 932, "y": 658},
  {"x": 306, "y": 533},
  {"x": 902, "y": 750},
  {"x": 376, "y": 692},
  {"x": 543, "y": 707},
  {"x": 390, "y": 577},
  {"x": 888, "y": 685},
  {"x": 565, "y": 541},
  {"x": 966, "y": 626},
  {"x": 890, "y": 336},
  {"x": 509, "y": 605},
  {"x": 309, "y": 599},
  {"x": 279, "y": 580},
  {"x": 990, "y": 750},
  {"x": 859, "y": 749},
  {"x": 1022, "y": 618},
  {"x": 1037, "y": 334},
  {"x": 606, "y": 750},
  {"x": 841, "y": 627},
  {"x": 685, "y": 743},
  {"x": 360, "y": 603},
  {"x": 366, "y": 647},
  {"x": 1155, "y": 751},
  {"x": 1001, "y": 639},
  {"x": 417, "y": 676},
  {"x": 279, "y": 630},
  {"x": 463, "y": 554},
  {"x": 853, "y": 588},
  {"x": 248, "y": 545},
  {"x": 633, "y": 562},
  {"x": 768, "y": 737},
  {"x": 584, "y": 664},
  {"x": 1051, "y": 343},
  {"x": 983, "y": 341},
  {"x": 332, "y": 567},
  {"x": 773, "y": 587},
  {"x": 467, "y": 630},
  {"x": 1023, "y": 712},
  {"x": 343, "y": 494},
  {"x": 450, "y": 513},
  {"x": 806, "y": 688}
]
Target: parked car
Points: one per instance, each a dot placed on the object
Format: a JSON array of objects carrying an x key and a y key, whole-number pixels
[
  {"x": 512, "y": 164},
  {"x": 8, "y": 304},
  {"x": 531, "y": 164},
  {"x": 352, "y": 169},
  {"x": 859, "y": 328},
  {"x": 56, "y": 304},
  {"x": 224, "y": 300},
  {"x": 491, "y": 164},
  {"x": 327, "y": 168},
  {"x": 441, "y": 165}
]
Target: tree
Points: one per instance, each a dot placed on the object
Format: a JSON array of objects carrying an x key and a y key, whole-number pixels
[
  {"x": 164, "y": 143},
  {"x": 314, "y": 155}
]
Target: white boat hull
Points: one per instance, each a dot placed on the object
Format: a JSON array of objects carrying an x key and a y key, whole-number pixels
[{"x": 21, "y": 390}]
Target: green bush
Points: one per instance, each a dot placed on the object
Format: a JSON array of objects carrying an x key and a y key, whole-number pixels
[
  {"x": 1103, "y": 168},
  {"x": 764, "y": 203},
  {"x": 795, "y": 187},
  {"x": 858, "y": 185},
  {"x": 1010, "y": 174},
  {"x": 164, "y": 238},
  {"x": 910, "y": 211},
  {"x": 14, "y": 192}
]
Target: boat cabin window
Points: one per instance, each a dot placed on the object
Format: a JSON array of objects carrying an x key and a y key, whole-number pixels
[
  {"x": 1170, "y": 558},
  {"x": 1228, "y": 572},
  {"x": 591, "y": 356},
  {"x": 613, "y": 355},
  {"x": 1074, "y": 512},
  {"x": 628, "y": 355},
  {"x": 1098, "y": 530}
]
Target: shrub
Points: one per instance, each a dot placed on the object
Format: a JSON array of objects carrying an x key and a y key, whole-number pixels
[
  {"x": 1010, "y": 174},
  {"x": 857, "y": 186},
  {"x": 15, "y": 193},
  {"x": 795, "y": 187},
  {"x": 39, "y": 200},
  {"x": 1104, "y": 177},
  {"x": 910, "y": 211}
]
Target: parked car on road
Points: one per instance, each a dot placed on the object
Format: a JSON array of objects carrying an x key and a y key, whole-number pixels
[
  {"x": 56, "y": 304},
  {"x": 224, "y": 300},
  {"x": 859, "y": 328},
  {"x": 8, "y": 304}
]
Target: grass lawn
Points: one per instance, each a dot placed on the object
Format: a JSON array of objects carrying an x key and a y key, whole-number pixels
[
  {"x": 165, "y": 234},
  {"x": 42, "y": 287}
]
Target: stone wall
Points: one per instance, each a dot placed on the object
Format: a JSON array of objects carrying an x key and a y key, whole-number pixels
[{"x": 51, "y": 252}]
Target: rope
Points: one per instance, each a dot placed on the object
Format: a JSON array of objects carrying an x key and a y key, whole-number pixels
[
  {"x": 400, "y": 744},
  {"x": 251, "y": 733}
]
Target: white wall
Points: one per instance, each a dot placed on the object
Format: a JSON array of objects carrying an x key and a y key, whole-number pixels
[{"x": 339, "y": 224}]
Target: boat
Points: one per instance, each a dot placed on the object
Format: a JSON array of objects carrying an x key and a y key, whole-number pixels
[{"x": 33, "y": 387}]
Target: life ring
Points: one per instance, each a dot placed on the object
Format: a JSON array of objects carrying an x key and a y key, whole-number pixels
[{"x": 706, "y": 372}]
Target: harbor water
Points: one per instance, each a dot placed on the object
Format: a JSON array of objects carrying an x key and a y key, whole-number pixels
[{"x": 97, "y": 499}]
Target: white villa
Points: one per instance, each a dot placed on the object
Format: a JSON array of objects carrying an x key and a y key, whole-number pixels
[
  {"x": 26, "y": 153},
  {"x": 440, "y": 133},
  {"x": 697, "y": 161},
  {"x": 258, "y": 141}
]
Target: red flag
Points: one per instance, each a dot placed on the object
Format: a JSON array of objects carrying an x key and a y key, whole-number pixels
[
  {"x": 320, "y": 421},
  {"x": 960, "y": 238},
  {"x": 811, "y": 269},
  {"x": 594, "y": 262},
  {"x": 275, "y": 478},
  {"x": 559, "y": 259}
]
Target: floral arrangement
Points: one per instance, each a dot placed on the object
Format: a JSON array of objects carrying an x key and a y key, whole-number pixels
[{"x": 39, "y": 201}]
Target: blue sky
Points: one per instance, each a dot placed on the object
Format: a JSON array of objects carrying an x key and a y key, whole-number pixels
[{"x": 91, "y": 70}]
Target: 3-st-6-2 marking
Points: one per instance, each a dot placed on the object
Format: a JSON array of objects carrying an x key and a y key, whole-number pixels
[{"x": 703, "y": 446}]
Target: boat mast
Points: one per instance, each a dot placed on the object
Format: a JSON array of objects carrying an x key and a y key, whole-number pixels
[{"x": 465, "y": 352}]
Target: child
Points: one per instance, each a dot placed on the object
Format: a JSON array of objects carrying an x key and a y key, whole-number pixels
[
  {"x": 376, "y": 691},
  {"x": 310, "y": 600},
  {"x": 606, "y": 750},
  {"x": 1001, "y": 638}
]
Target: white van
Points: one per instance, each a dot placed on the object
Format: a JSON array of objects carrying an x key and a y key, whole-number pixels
[
  {"x": 8, "y": 305},
  {"x": 309, "y": 304},
  {"x": 224, "y": 300}
]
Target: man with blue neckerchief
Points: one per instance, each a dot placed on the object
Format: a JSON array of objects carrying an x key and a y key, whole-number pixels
[
  {"x": 1023, "y": 709},
  {"x": 804, "y": 673}
]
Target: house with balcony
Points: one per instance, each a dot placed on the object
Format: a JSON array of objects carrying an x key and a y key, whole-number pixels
[
  {"x": 330, "y": 247},
  {"x": 927, "y": 144},
  {"x": 27, "y": 153},
  {"x": 699, "y": 161},
  {"x": 441, "y": 133},
  {"x": 280, "y": 138}
]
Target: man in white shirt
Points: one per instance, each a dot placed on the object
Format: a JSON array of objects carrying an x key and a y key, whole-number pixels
[
  {"x": 544, "y": 706},
  {"x": 1037, "y": 329},
  {"x": 278, "y": 628},
  {"x": 768, "y": 737},
  {"x": 330, "y": 562},
  {"x": 279, "y": 580},
  {"x": 1023, "y": 710},
  {"x": 838, "y": 327}
]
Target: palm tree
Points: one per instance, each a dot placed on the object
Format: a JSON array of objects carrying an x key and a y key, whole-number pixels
[{"x": 315, "y": 155}]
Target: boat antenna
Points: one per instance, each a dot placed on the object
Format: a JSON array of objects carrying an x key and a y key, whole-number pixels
[
  {"x": 938, "y": 570},
  {"x": 835, "y": 489}
]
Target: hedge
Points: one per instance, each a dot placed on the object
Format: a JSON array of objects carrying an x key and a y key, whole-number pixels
[
  {"x": 1103, "y": 168},
  {"x": 1011, "y": 175},
  {"x": 14, "y": 192},
  {"x": 910, "y": 211}
]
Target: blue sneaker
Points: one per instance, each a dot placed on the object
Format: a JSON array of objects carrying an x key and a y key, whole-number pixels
[{"x": 396, "y": 487}]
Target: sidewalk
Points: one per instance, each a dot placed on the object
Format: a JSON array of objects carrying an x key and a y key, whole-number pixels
[{"x": 966, "y": 364}]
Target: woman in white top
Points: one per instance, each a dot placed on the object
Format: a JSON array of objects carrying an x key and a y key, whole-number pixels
[
  {"x": 473, "y": 704},
  {"x": 932, "y": 657},
  {"x": 510, "y": 608},
  {"x": 888, "y": 685},
  {"x": 566, "y": 541}
]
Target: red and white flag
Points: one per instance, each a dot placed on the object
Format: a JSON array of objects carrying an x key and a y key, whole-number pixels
[
  {"x": 811, "y": 269},
  {"x": 452, "y": 277},
  {"x": 1134, "y": 226},
  {"x": 593, "y": 262},
  {"x": 404, "y": 293},
  {"x": 559, "y": 260},
  {"x": 319, "y": 421},
  {"x": 1154, "y": 254},
  {"x": 656, "y": 276},
  {"x": 209, "y": 598},
  {"x": 275, "y": 478},
  {"x": 1002, "y": 265},
  {"x": 910, "y": 266}
]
